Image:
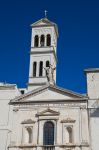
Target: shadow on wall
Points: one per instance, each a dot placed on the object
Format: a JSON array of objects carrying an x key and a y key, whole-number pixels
[{"x": 95, "y": 112}]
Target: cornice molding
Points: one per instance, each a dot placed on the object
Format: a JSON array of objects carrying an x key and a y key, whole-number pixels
[
  {"x": 75, "y": 96},
  {"x": 58, "y": 101},
  {"x": 42, "y": 47},
  {"x": 68, "y": 145},
  {"x": 36, "y": 84},
  {"x": 68, "y": 120},
  {"x": 44, "y": 52},
  {"x": 37, "y": 77},
  {"x": 28, "y": 121},
  {"x": 47, "y": 119}
]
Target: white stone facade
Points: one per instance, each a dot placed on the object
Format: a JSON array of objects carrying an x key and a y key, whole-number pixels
[{"x": 45, "y": 116}]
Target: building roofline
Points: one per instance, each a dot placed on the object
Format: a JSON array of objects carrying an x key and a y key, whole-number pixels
[
  {"x": 54, "y": 87},
  {"x": 78, "y": 100},
  {"x": 49, "y": 23},
  {"x": 89, "y": 70}
]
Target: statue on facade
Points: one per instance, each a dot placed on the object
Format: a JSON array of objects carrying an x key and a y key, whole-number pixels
[{"x": 50, "y": 73}]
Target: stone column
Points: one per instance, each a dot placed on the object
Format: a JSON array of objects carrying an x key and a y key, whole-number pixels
[
  {"x": 31, "y": 68},
  {"x": 37, "y": 69},
  {"x": 45, "y": 41},
  {"x": 59, "y": 132},
  {"x": 84, "y": 125},
  {"x": 55, "y": 142},
  {"x": 44, "y": 65},
  {"x": 32, "y": 41},
  {"x": 35, "y": 134},
  {"x": 39, "y": 45},
  {"x": 40, "y": 134},
  {"x": 80, "y": 127}
]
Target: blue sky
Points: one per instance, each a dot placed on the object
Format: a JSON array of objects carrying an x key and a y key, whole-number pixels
[{"x": 78, "y": 43}]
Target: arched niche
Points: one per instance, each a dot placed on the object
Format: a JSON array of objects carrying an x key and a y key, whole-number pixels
[
  {"x": 28, "y": 135},
  {"x": 69, "y": 134}
]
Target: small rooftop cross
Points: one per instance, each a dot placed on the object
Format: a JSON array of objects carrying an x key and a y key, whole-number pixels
[{"x": 46, "y": 13}]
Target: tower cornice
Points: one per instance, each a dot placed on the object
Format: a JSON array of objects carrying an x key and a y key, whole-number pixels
[
  {"x": 45, "y": 22},
  {"x": 45, "y": 52}
]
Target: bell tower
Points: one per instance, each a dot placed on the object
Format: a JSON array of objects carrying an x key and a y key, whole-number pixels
[{"x": 43, "y": 52}]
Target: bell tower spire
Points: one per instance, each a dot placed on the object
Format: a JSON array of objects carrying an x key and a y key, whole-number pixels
[{"x": 43, "y": 53}]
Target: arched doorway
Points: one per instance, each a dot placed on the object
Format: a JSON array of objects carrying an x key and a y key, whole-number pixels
[{"x": 48, "y": 133}]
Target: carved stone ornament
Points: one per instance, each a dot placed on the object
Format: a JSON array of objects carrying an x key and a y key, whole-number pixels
[
  {"x": 15, "y": 109},
  {"x": 48, "y": 112},
  {"x": 29, "y": 121},
  {"x": 68, "y": 120}
]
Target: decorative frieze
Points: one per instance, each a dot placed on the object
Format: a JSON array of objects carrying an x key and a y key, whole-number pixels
[
  {"x": 52, "y": 105},
  {"x": 40, "y": 31}
]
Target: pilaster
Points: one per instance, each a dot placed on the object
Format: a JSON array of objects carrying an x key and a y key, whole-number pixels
[{"x": 84, "y": 126}]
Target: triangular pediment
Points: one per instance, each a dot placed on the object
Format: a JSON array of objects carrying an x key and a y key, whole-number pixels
[
  {"x": 43, "y": 21},
  {"x": 48, "y": 93},
  {"x": 48, "y": 112}
]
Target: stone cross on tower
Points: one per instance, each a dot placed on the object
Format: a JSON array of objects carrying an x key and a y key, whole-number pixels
[{"x": 46, "y": 13}]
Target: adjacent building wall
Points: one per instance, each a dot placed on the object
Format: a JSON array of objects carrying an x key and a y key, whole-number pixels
[
  {"x": 7, "y": 92},
  {"x": 92, "y": 76}
]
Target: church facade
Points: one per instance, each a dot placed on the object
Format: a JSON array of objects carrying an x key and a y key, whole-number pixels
[{"x": 44, "y": 116}]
